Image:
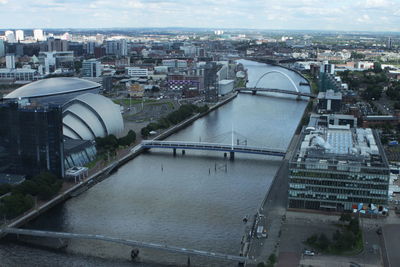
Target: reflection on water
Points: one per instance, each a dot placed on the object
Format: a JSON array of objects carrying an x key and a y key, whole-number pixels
[{"x": 195, "y": 200}]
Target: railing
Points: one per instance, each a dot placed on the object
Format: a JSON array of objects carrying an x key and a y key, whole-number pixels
[
  {"x": 273, "y": 90},
  {"x": 128, "y": 242},
  {"x": 214, "y": 146}
]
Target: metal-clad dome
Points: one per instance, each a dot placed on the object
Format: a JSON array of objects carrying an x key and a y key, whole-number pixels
[
  {"x": 52, "y": 86},
  {"x": 89, "y": 115}
]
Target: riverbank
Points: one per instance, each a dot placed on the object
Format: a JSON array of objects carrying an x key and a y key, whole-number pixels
[{"x": 101, "y": 174}]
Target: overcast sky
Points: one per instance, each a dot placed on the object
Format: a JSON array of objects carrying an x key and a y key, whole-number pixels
[{"x": 363, "y": 15}]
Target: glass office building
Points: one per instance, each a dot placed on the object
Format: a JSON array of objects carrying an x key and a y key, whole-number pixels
[
  {"x": 337, "y": 168},
  {"x": 31, "y": 139}
]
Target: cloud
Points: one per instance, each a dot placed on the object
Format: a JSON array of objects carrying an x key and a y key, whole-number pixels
[
  {"x": 375, "y": 3},
  {"x": 257, "y": 14}
]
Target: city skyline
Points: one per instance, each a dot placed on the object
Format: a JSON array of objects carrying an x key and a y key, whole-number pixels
[{"x": 369, "y": 15}]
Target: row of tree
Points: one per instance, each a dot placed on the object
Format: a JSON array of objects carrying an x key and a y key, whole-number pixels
[
  {"x": 111, "y": 143},
  {"x": 342, "y": 240},
  {"x": 21, "y": 198},
  {"x": 372, "y": 81},
  {"x": 184, "y": 112}
]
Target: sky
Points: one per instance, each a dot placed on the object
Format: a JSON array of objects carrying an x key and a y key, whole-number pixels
[{"x": 346, "y": 15}]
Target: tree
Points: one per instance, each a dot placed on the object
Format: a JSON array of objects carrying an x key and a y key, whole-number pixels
[
  {"x": 78, "y": 66},
  {"x": 354, "y": 226},
  {"x": 377, "y": 67},
  {"x": 312, "y": 239},
  {"x": 323, "y": 242},
  {"x": 345, "y": 217},
  {"x": 14, "y": 205},
  {"x": 373, "y": 92},
  {"x": 355, "y": 55}
]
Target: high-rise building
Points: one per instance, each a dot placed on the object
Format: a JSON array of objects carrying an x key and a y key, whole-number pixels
[
  {"x": 54, "y": 60},
  {"x": 90, "y": 48},
  {"x": 10, "y": 61},
  {"x": 19, "y": 35},
  {"x": 91, "y": 68},
  {"x": 38, "y": 35},
  {"x": 10, "y": 36},
  {"x": 117, "y": 47},
  {"x": 31, "y": 139},
  {"x": 338, "y": 168},
  {"x": 123, "y": 48},
  {"x": 2, "y": 48},
  {"x": 56, "y": 45},
  {"x": 389, "y": 43}
]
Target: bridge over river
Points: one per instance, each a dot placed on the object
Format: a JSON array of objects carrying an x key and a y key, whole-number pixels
[
  {"x": 231, "y": 148},
  {"x": 128, "y": 242}
]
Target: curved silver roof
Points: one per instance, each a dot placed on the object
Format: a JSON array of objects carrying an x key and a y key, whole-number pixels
[
  {"x": 90, "y": 115},
  {"x": 52, "y": 86}
]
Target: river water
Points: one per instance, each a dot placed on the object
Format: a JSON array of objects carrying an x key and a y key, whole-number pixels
[{"x": 196, "y": 200}]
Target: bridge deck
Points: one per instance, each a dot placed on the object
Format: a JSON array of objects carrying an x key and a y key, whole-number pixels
[
  {"x": 213, "y": 147},
  {"x": 273, "y": 90},
  {"x": 128, "y": 242}
]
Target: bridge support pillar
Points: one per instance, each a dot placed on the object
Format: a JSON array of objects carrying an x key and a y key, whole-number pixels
[
  {"x": 298, "y": 98},
  {"x": 183, "y": 152},
  {"x": 174, "y": 151},
  {"x": 231, "y": 155},
  {"x": 253, "y": 92}
]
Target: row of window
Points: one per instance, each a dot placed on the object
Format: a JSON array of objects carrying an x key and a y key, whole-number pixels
[
  {"x": 334, "y": 198},
  {"x": 330, "y": 190},
  {"x": 336, "y": 183},
  {"x": 342, "y": 176}
]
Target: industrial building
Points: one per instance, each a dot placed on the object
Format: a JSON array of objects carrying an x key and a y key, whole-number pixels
[{"x": 337, "y": 168}]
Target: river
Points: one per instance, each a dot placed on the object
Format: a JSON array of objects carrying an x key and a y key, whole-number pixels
[{"x": 196, "y": 200}]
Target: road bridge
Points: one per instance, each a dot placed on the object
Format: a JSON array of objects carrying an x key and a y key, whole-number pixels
[
  {"x": 231, "y": 148},
  {"x": 127, "y": 242},
  {"x": 273, "y": 90}
]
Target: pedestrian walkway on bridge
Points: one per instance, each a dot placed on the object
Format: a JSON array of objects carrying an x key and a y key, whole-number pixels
[{"x": 132, "y": 243}]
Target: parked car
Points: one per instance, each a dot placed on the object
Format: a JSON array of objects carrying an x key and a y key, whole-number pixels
[{"x": 309, "y": 252}]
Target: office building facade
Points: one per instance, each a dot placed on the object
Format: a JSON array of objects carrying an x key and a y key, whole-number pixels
[
  {"x": 337, "y": 169},
  {"x": 31, "y": 139},
  {"x": 10, "y": 61},
  {"x": 91, "y": 68}
]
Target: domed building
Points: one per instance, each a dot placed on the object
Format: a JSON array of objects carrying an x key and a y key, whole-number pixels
[
  {"x": 86, "y": 114},
  {"x": 89, "y": 116},
  {"x": 54, "y": 90}
]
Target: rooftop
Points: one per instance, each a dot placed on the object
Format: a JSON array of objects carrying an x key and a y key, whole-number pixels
[
  {"x": 330, "y": 94},
  {"x": 52, "y": 86},
  {"x": 339, "y": 144}
]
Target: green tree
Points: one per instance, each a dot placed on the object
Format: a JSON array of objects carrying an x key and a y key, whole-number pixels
[
  {"x": 345, "y": 217},
  {"x": 354, "y": 226},
  {"x": 323, "y": 242},
  {"x": 377, "y": 67},
  {"x": 14, "y": 205},
  {"x": 312, "y": 239}
]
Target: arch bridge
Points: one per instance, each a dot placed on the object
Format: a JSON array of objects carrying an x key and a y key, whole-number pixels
[{"x": 297, "y": 91}]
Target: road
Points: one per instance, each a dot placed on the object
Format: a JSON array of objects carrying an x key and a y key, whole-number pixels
[{"x": 274, "y": 209}]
